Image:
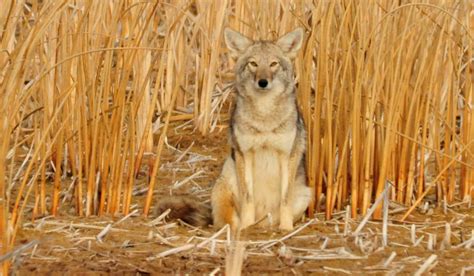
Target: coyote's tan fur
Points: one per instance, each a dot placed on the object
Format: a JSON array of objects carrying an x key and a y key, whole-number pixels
[{"x": 265, "y": 173}]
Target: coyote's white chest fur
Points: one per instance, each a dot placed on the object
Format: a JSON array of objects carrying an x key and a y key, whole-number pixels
[
  {"x": 265, "y": 174},
  {"x": 267, "y": 181},
  {"x": 282, "y": 141}
]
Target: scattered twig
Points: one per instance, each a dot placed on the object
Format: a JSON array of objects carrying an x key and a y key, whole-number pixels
[
  {"x": 339, "y": 270},
  {"x": 418, "y": 241},
  {"x": 447, "y": 237},
  {"x": 299, "y": 229},
  {"x": 426, "y": 265},
  {"x": 159, "y": 218},
  {"x": 187, "y": 179},
  {"x": 347, "y": 217},
  {"x": 371, "y": 210},
  {"x": 389, "y": 259},
  {"x": 172, "y": 251},
  {"x": 431, "y": 241},
  {"x": 18, "y": 250},
  {"x": 468, "y": 243},
  {"x": 325, "y": 243},
  {"x": 339, "y": 253},
  {"x": 413, "y": 233},
  {"x": 126, "y": 217},
  {"x": 84, "y": 226},
  {"x": 104, "y": 232},
  {"x": 211, "y": 238}
]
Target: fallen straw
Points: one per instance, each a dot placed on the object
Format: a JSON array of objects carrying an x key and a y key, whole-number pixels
[
  {"x": 431, "y": 241},
  {"x": 171, "y": 252},
  {"x": 339, "y": 270},
  {"x": 468, "y": 243},
  {"x": 413, "y": 233},
  {"x": 104, "y": 232},
  {"x": 84, "y": 226},
  {"x": 346, "y": 220},
  {"x": 339, "y": 253},
  {"x": 447, "y": 237},
  {"x": 159, "y": 218},
  {"x": 187, "y": 179},
  {"x": 390, "y": 259},
  {"x": 18, "y": 250},
  {"x": 325, "y": 243},
  {"x": 188, "y": 246},
  {"x": 371, "y": 210},
  {"x": 163, "y": 239},
  {"x": 183, "y": 153},
  {"x": 126, "y": 217},
  {"x": 299, "y": 229},
  {"x": 426, "y": 265},
  {"x": 215, "y": 235},
  {"x": 418, "y": 241}
]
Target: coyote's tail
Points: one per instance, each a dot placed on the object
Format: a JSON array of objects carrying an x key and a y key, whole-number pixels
[{"x": 186, "y": 208}]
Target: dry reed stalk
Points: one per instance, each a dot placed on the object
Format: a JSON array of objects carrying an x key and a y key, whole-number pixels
[
  {"x": 438, "y": 177},
  {"x": 5, "y": 232},
  {"x": 304, "y": 94},
  {"x": 467, "y": 175},
  {"x": 178, "y": 75},
  {"x": 57, "y": 175},
  {"x": 215, "y": 25},
  {"x": 316, "y": 156}
]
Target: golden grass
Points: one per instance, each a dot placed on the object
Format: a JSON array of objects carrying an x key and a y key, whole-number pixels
[{"x": 385, "y": 89}]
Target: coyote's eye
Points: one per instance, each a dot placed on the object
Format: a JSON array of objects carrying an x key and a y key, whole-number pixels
[
  {"x": 253, "y": 64},
  {"x": 274, "y": 64}
]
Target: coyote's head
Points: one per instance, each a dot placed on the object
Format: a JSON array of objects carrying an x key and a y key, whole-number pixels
[{"x": 264, "y": 66}]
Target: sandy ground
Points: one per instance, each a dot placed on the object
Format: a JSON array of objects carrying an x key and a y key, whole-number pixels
[{"x": 138, "y": 245}]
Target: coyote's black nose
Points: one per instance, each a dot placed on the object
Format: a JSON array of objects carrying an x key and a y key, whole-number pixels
[{"x": 262, "y": 83}]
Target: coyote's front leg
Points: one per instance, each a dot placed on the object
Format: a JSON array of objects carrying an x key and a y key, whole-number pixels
[
  {"x": 288, "y": 167},
  {"x": 244, "y": 164}
]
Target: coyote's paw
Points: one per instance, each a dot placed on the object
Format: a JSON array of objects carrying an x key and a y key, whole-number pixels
[
  {"x": 286, "y": 219},
  {"x": 247, "y": 215}
]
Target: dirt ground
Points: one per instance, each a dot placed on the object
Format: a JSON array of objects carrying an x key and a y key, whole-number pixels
[{"x": 139, "y": 245}]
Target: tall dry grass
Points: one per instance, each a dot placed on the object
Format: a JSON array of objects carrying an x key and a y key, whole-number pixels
[{"x": 385, "y": 89}]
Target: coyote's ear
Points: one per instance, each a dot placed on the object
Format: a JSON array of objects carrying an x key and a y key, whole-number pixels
[
  {"x": 236, "y": 42},
  {"x": 291, "y": 42}
]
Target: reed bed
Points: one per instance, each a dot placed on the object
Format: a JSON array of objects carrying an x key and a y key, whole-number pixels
[{"x": 89, "y": 89}]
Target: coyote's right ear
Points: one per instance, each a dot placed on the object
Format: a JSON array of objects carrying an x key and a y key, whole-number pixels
[{"x": 236, "y": 42}]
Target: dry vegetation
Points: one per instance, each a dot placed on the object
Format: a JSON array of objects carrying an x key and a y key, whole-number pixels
[{"x": 91, "y": 91}]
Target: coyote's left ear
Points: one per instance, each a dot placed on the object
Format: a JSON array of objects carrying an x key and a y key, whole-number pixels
[{"x": 291, "y": 42}]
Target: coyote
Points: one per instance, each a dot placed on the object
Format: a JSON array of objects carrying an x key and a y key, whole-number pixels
[{"x": 264, "y": 174}]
